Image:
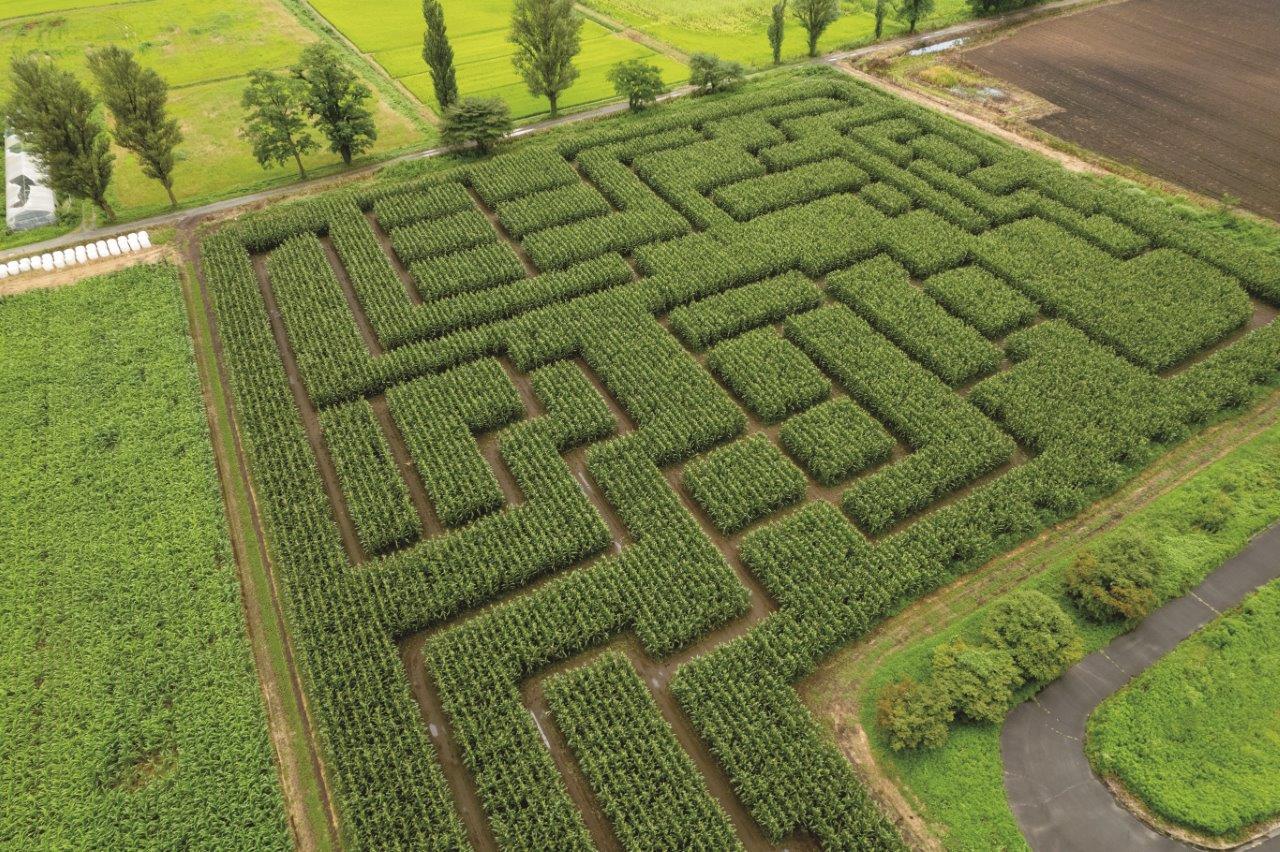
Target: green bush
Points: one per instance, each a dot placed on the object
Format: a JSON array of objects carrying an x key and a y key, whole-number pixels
[
  {"x": 913, "y": 715},
  {"x": 978, "y": 682},
  {"x": 1040, "y": 637},
  {"x": 1116, "y": 581}
]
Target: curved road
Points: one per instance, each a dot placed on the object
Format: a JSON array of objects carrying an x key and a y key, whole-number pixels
[{"x": 1060, "y": 804}]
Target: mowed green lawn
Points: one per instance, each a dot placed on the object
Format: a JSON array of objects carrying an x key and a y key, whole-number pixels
[
  {"x": 478, "y": 31},
  {"x": 736, "y": 29},
  {"x": 204, "y": 50},
  {"x": 1197, "y": 735},
  {"x": 132, "y": 717}
]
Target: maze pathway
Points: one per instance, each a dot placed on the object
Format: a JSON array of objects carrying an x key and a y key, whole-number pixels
[{"x": 667, "y": 409}]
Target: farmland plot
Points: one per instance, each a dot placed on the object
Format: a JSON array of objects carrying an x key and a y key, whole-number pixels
[
  {"x": 478, "y": 31},
  {"x": 132, "y": 718},
  {"x": 717, "y": 422}
]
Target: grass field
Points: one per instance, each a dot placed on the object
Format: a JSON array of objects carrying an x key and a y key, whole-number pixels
[
  {"x": 736, "y": 29},
  {"x": 478, "y": 31},
  {"x": 960, "y": 785},
  {"x": 132, "y": 716},
  {"x": 508, "y": 448},
  {"x": 1197, "y": 736},
  {"x": 203, "y": 51}
]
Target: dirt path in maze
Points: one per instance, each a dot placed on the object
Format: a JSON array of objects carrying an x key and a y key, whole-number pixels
[{"x": 293, "y": 736}]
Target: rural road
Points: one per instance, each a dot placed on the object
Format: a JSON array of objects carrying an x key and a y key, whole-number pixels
[
  {"x": 1059, "y": 803},
  {"x": 230, "y": 204}
]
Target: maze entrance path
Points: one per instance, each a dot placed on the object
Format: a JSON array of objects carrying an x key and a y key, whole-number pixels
[{"x": 576, "y": 459}]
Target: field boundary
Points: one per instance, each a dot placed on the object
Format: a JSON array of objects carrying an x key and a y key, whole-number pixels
[{"x": 312, "y": 815}]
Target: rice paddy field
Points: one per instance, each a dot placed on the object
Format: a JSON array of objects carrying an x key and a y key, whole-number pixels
[
  {"x": 735, "y": 29},
  {"x": 204, "y": 51},
  {"x": 478, "y": 30}
]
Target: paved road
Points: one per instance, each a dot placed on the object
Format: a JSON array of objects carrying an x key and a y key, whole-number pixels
[
  {"x": 194, "y": 213},
  {"x": 1060, "y": 804}
]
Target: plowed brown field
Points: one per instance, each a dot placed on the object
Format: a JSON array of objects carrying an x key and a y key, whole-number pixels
[{"x": 1184, "y": 89}]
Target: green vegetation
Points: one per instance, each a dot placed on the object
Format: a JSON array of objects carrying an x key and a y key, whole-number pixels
[
  {"x": 133, "y": 718},
  {"x": 1194, "y": 735},
  {"x": 187, "y": 43},
  {"x": 738, "y": 29},
  {"x": 603, "y": 300},
  {"x": 481, "y": 52},
  {"x": 960, "y": 785}
]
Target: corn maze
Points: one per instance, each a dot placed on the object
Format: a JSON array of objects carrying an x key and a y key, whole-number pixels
[{"x": 574, "y": 460}]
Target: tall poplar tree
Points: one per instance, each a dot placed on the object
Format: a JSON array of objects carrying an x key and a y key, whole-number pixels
[
  {"x": 438, "y": 54},
  {"x": 547, "y": 35}
]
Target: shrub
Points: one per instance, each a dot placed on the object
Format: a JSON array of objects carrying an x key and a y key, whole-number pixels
[
  {"x": 912, "y": 715},
  {"x": 1115, "y": 581},
  {"x": 1215, "y": 512},
  {"x": 1035, "y": 631},
  {"x": 478, "y": 121},
  {"x": 710, "y": 73},
  {"x": 978, "y": 682}
]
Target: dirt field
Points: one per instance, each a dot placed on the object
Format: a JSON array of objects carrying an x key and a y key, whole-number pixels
[{"x": 1180, "y": 88}]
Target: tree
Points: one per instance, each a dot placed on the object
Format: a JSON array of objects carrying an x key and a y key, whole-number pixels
[
  {"x": 912, "y": 11},
  {"x": 777, "y": 23},
  {"x": 710, "y": 73},
  {"x": 815, "y": 16},
  {"x": 638, "y": 81},
  {"x": 1116, "y": 581},
  {"x": 54, "y": 116},
  {"x": 136, "y": 98},
  {"x": 547, "y": 35},
  {"x": 276, "y": 119},
  {"x": 335, "y": 99},
  {"x": 987, "y": 7},
  {"x": 1035, "y": 631},
  {"x": 882, "y": 11},
  {"x": 913, "y": 716},
  {"x": 480, "y": 120},
  {"x": 438, "y": 54},
  {"x": 978, "y": 682}
]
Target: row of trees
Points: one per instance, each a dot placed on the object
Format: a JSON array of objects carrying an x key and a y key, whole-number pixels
[
  {"x": 320, "y": 92},
  {"x": 57, "y": 117},
  {"x": 814, "y": 16}
]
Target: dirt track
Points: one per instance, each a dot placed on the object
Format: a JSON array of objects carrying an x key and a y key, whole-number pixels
[{"x": 1184, "y": 89}]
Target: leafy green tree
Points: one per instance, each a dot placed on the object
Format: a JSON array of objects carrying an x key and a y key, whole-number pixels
[
  {"x": 1117, "y": 580},
  {"x": 815, "y": 16},
  {"x": 136, "y": 97},
  {"x": 480, "y": 120},
  {"x": 1040, "y": 637},
  {"x": 438, "y": 54},
  {"x": 881, "y": 12},
  {"x": 978, "y": 682},
  {"x": 336, "y": 100},
  {"x": 55, "y": 117},
  {"x": 710, "y": 73},
  {"x": 777, "y": 28},
  {"x": 912, "y": 11},
  {"x": 638, "y": 81},
  {"x": 276, "y": 119},
  {"x": 912, "y": 715},
  {"x": 547, "y": 35}
]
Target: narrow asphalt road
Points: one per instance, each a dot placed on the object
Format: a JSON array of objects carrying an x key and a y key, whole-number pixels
[
  {"x": 230, "y": 204},
  {"x": 1060, "y": 804}
]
